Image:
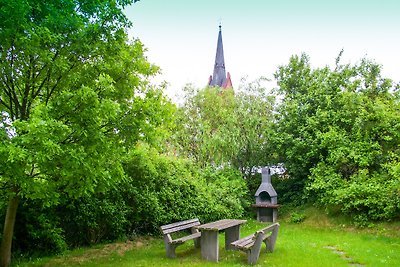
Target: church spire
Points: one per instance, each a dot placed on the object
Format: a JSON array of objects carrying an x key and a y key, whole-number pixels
[{"x": 219, "y": 77}]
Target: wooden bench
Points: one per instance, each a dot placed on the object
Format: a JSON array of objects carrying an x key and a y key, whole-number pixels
[
  {"x": 178, "y": 228},
  {"x": 252, "y": 244}
]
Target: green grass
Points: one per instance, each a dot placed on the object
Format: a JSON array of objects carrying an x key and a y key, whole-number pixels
[{"x": 314, "y": 242}]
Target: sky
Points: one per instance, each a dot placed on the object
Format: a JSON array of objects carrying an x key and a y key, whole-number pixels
[{"x": 261, "y": 35}]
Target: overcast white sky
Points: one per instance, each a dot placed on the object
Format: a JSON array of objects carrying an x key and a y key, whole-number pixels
[{"x": 259, "y": 35}]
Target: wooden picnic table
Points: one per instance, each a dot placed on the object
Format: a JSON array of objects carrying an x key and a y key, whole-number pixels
[{"x": 209, "y": 236}]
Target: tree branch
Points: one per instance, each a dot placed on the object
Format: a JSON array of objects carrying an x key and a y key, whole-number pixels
[
  {"x": 4, "y": 104},
  {"x": 57, "y": 82}
]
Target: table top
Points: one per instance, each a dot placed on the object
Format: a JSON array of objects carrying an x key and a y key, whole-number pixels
[{"x": 220, "y": 225}]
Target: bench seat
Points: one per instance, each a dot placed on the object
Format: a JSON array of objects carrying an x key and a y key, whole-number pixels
[
  {"x": 186, "y": 238},
  {"x": 245, "y": 243}
]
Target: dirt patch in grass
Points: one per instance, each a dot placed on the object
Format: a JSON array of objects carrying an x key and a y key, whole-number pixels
[
  {"x": 343, "y": 256},
  {"x": 105, "y": 251}
]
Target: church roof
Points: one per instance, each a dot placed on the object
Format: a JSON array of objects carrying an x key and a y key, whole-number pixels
[{"x": 219, "y": 77}]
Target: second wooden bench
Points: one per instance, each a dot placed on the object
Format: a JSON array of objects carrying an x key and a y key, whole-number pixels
[{"x": 252, "y": 244}]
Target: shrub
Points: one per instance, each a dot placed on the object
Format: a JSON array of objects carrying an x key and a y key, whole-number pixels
[
  {"x": 296, "y": 217},
  {"x": 164, "y": 189},
  {"x": 365, "y": 196},
  {"x": 38, "y": 229},
  {"x": 99, "y": 217},
  {"x": 157, "y": 190}
]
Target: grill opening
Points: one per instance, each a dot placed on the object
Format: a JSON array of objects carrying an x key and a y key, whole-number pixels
[{"x": 264, "y": 197}]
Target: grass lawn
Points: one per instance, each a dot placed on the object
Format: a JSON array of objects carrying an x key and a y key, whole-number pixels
[{"x": 319, "y": 243}]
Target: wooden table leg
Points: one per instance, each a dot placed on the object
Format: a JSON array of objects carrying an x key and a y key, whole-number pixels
[
  {"x": 231, "y": 234},
  {"x": 209, "y": 245}
]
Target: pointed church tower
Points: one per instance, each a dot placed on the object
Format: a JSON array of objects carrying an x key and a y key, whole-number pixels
[{"x": 219, "y": 77}]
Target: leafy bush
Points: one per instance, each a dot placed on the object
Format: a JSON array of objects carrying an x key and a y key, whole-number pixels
[
  {"x": 364, "y": 196},
  {"x": 290, "y": 190},
  {"x": 38, "y": 229},
  {"x": 338, "y": 134},
  {"x": 96, "y": 218},
  {"x": 157, "y": 190},
  {"x": 162, "y": 189},
  {"x": 296, "y": 217}
]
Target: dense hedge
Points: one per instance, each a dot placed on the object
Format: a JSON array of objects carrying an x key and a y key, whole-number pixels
[
  {"x": 157, "y": 190},
  {"x": 166, "y": 189}
]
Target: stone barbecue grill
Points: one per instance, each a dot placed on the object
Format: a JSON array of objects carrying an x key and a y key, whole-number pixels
[{"x": 266, "y": 199}]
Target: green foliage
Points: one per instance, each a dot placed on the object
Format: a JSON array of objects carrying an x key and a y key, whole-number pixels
[
  {"x": 38, "y": 230},
  {"x": 226, "y": 128},
  {"x": 164, "y": 189},
  {"x": 296, "y": 217},
  {"x": 290, "y": 191},
  {"x": 75, "y": 96},
  {"x": 338, "y": 134},
  {"x": 156, "y": 190},
  {"x": 97, "y": 218}
]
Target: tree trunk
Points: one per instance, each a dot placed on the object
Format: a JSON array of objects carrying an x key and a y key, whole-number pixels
[{"x": 8, "y": 232}]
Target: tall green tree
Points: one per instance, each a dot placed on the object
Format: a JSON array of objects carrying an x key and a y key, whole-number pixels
[
  {"x": 74, "y": 96},
  {"x": 339, "y": 135},
  {"x": 223, "y": 127}
]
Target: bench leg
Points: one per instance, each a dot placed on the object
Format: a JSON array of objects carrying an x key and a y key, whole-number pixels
[
  {"x": 254, "y": 253},
  {"x": 252, "y": 256},
  {"x": 269, "y": 245},
  {"x": 271, "y": 240},
  {"x": 196, "y": 240},
  {"x": 169, "y": 248}
]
